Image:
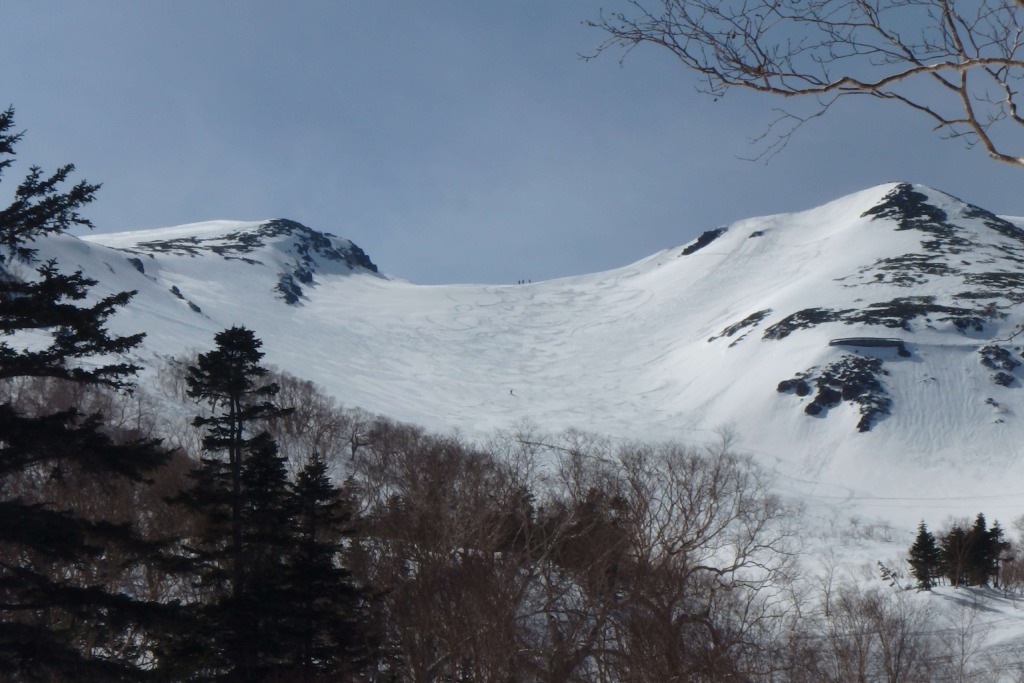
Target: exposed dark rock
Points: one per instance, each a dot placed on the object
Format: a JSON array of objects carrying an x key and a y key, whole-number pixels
[
  {"x": 968, "y": 323},
  {"x": 137, "y": 264},
  {"x": 898, "y": 313},
  {"x": 994, "y": 222},
  {"x": 851, "y": 390},
  {"x": 1003, "y": 379},
  {"x": 1002, "y": 361},
  {"x": 907, "y": 206},
  {"x": 308, "y": 247},
  {"x": 182, "y": 245},
  {"x": 854, "y": 379},
  {"x": 802, "y": 320},
  {"x": 706, "y": 238},
  {"x": 911, "y": 211},
  {"x": 177, "y": 293},
  {"x": 827, "y": 396},
  {"x": 998, "y": 358},
  {"x": 750, "y": 321},
  {"x": 1000, "y": 280},
  {"x": 308, "y": 244},
  {"x": 314, "y": 243},
  {"x": 991, "y": 295},
  {"x": 904, "y": 271},
  {"x": 798, "y": 386},
  {"x": 288, "y": 290}
]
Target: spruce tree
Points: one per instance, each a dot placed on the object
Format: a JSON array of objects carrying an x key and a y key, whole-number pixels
[
  {"x": 956, "y": 551},
  {"x": 278, "y": 603},
  {"x": 58, "y": 619},
  {"x": 987, "y": 546},
  {"x": 241, "y": 493},
  {"x": 240, "y": 638},
  {"x": 990, "y": 545},
  {"x": 925, "y": 559},
  {"x": 981, "y": 553},
  {"x": 260, "y": 611},
  {"x": 228, "y": 379},
  {"x": 999, "y": 548},
  {"x": 327, "y": 623}
]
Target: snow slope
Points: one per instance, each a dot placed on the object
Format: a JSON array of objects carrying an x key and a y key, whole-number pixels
[{"x": 674, "y": 346}]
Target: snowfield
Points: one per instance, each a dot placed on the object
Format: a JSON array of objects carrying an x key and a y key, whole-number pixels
[{"x": 641, "y": 352}]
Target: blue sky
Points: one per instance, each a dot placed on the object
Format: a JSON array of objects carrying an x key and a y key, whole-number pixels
[{"x": 455, "y": 141}]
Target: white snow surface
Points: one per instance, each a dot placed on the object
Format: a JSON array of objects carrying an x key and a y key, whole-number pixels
[{"x": 629, "y": 352}]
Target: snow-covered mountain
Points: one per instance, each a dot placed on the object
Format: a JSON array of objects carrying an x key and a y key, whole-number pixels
[{"x": 866, "y": 350}]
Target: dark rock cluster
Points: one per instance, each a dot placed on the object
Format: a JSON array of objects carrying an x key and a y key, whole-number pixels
[
  {"x": 855, "y": 379},
  {"x": 706, "y": 238},
  {"x": 308, "y": 247},
  {"x": 1002, "y": 361},
  {"x": 749, "y": 322}
]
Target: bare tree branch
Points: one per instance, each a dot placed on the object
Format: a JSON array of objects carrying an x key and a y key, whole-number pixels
[{"x": 941, "y": 58}]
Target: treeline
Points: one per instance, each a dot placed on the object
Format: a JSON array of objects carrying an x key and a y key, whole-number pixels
[
  {"x": 976, "y": 555},
  {"x": 280, "y": 538}
]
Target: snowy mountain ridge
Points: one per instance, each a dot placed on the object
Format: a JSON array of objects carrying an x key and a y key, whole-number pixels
[
  {"x": 774, "y": 327},
  {"x": 297, "y": 251}
]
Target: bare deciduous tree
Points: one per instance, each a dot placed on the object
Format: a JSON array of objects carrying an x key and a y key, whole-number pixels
[
  {"x": 872, "y": 635},
  {"x": 711, "y": 552},
  {"x": 957, "y": 62},
  {"x": 608, "y": 562}
]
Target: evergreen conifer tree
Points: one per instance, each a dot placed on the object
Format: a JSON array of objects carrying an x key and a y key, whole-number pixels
[
  {"x": 925, "y": 558},
  {"x": 227, "y": 378},
  {"x": 241, "y": 492},
  {"x": 328, "y": 621},
  {"x": 58, "y": 620},
  {"x": 278, "y": 604},
  {"x": 956, "y": 551},
  {"x": 980, "y": 557},
  {"x": 256, "y": 618},
  {"x": 999, "y": 548},
  {"x": 987, "y": 551}
]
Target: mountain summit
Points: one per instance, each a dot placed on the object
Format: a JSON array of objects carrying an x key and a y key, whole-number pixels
[
  {"x": 296, "y": 252},
  {"x": 853, "y": 347},
  {"x": 916, "y": 268}
]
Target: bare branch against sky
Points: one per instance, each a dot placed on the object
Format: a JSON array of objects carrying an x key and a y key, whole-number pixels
[{"x": 955, "y": 62}]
